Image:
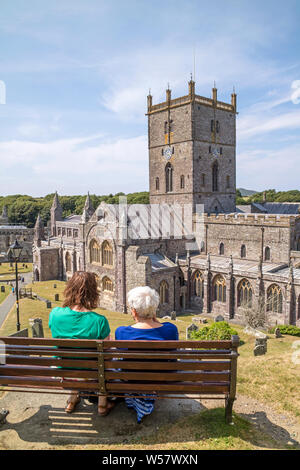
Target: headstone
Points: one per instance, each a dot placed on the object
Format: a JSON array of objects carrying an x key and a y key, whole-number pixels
[
  {"x": 3, "y": 414},
  {"x": 2, "y": 288},
  {"x": 260, "y": 347},
  {"x": 21, "y": 333},
  {"x": 48, "y": 304},
  {"x": 190, "y": 328},
  {"x": 56, "y": 297},
  {"x": 54, "y": 286},
  {"x": 173, "y": 315},
  {"x": 219, "y": 318},
  {"x": 199, "y": 319},
  {"x": 277, "y": 333},
  {"x": 36, "y": 327}
]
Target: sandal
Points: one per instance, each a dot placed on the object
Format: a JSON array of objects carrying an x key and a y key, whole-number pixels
[
  {"x": 104, "y": 410},
  {"x": 71, "y": 405}
]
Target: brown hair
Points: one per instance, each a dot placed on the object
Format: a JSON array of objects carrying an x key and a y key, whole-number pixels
[{"x": 82, "y": 290}]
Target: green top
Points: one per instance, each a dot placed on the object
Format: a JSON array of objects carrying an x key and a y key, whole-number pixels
[{"x": 67, "y": 323}]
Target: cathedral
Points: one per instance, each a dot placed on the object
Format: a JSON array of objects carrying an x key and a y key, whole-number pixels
[{"x": 234, "y": 257}]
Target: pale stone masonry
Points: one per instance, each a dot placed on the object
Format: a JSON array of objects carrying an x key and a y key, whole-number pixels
[{"x": 237, "y": 259}]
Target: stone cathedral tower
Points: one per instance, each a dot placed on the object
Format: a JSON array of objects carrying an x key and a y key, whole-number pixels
[{"x": 192, "y": 151}]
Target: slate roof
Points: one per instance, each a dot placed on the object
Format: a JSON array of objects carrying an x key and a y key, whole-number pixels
[{"x": 159, "y": 261}]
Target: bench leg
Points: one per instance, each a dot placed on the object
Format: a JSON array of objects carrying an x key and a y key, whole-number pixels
[{"x": 228, "y": 410}]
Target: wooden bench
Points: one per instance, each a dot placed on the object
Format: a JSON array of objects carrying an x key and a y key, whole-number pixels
[{"x": 163, "y": 369}]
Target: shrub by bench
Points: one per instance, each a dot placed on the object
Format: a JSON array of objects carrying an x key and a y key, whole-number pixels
[{"x": 162, "y": 369}]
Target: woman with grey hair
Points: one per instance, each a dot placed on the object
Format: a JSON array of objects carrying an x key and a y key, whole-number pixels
[{"x": 143, "y": 302}]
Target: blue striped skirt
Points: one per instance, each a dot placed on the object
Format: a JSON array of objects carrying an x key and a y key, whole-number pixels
[{"x": 142, "y": 406}]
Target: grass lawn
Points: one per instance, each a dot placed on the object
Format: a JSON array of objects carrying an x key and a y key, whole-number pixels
[
  {"x": 3, "y": 295},
  {"x": 8, "y": 272},
  {"x": 272, "y": 379}
]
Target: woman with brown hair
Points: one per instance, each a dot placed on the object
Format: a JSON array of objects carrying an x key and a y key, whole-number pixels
[{"x": 76, "y": 319}]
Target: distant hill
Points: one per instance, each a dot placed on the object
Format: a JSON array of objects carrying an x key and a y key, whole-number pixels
[{"x": 247, "y": 192}]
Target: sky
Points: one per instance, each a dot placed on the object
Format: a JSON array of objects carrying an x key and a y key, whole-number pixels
[{"x": 75, "y": 74}]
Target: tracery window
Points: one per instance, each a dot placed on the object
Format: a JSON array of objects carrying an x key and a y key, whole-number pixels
[
  {"x": 169, "y": 177},
  {"x": 68, "y": 262},
  {"x": 94, "y": 252},
  {"x": 245, "y": 293},
  {"x": 198, "y": 284},
  {"x": 274, "y": 299},
  {"x": 164, "y": 292},
  {"x": 107, "y": 254},
  {"x": 107, "y": 284},
  {"x": 219, "y": 289}
]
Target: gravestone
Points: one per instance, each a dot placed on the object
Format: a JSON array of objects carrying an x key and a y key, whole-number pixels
[
  {"x": 2, "y": 288},
  {"x": 219, "y": 318},
  {"x": 173, "y": 315},
  {"x": 54, "y": 286},
  {"x": 48, "y": 304},
  {"x": 21, "y": 333},
  {"x": 260, "y": 347},
  {"x": 190, "y": 328},
  {"x": 56, "y": 297},
  {"x": 277, "y": 333},
  {"x": 3, "y": 414},
  {"x": 36, "y": 327}
]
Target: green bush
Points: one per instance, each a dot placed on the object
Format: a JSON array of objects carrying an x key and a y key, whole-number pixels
[
  {"x": 287, "y": 330},
  {"x": 217, "y": 330}
]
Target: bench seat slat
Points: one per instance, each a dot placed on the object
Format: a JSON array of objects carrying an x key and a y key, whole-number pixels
[
  {"x": 178, "y": 365},
  {"x": 169, "y": 377},
  {"x": 85, "y": 343},
  {"x": 200, "y": 387},
  {"x": 141, "y": 344},
  {"x": 50, "y": 361},
  {"x": 19, "y": 370},
  {"x": 43, "y": 381}
]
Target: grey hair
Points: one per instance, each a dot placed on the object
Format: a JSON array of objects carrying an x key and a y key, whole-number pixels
[{"x": 144, "y": 300}]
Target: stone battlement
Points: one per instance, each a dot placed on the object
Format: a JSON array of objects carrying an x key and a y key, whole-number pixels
[
  {"x": 191, "y": 97},
  {"x": 253, "y": 219}
]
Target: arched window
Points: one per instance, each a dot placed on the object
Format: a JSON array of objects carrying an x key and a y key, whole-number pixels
[
  {"x": 219, "y": 289},
  {"x": 157, "y": 183},
  {"x": 245, "y": 294},
  {"x": 221, "y": 249},
  {"x": 215, "y": 171},
  {"x": 243, "y": 251},
  {"x": 274, "y": 299},
  {"x": 107, "y": 284},
  {"x": 267, "y": 254},
  {"x": 94, "y": 252},
  {"x": 198, "y": 284},
  {"x": 107, "y": 254},
  {"x": 68, "y": 262},
  {"x": 164, "y": 292},
  {"x": 169, "y": 177},
  {"x": 182, "y": 182}
]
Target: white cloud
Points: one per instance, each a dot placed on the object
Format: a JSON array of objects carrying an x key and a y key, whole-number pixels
[{"x": 76, "y": 165}]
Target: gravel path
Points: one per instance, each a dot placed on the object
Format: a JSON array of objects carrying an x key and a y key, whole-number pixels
[{"x": 38, "y": 421}]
